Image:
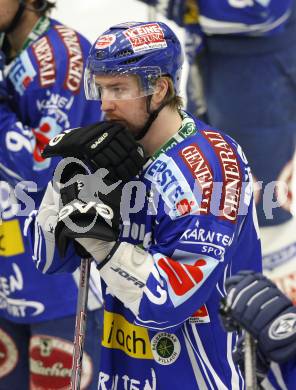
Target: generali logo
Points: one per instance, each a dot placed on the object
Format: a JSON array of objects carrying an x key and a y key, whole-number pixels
[
  {"x": 44, "y": 55},
  {"x": 75, "y": 58},
  {"x": 201, "y": 171}
]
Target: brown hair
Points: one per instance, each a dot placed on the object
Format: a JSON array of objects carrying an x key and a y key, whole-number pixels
[{"x": 174, "y": 101}]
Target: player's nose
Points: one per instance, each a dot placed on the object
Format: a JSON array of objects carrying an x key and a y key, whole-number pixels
[{"x": 107, "y": 105}]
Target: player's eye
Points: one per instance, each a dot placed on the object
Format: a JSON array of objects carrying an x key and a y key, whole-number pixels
[{"x": 117, "y": 91}]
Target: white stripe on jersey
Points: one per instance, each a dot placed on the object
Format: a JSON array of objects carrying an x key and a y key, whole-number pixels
[
  {"x": 275, "y": 368},
  {"x": 199, "y": 358},
  {"x": 11, "y": 173},
  {"x": 234, "y": 375},
  {"x": 95, "y": 299},
  {"x": 39, "y": 244},
  {"x": 266, "y": 384},
  {"x": 213, "y": 26},
  {"x": 219, "y": 290},
  {"x": 224, "y": 279},
  {"x": 197, "y": 373},
  {"x": 49, "y": 250},
  {"x": 157, "y": 326},
  {"x": 36, "y": 241},
  {"x": 219, "y": 384}
]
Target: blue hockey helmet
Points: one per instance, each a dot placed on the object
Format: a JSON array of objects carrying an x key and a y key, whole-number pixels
[{"x": 147, "y": 50}]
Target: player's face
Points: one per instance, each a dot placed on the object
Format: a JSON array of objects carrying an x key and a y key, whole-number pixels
[
  {"x": 120, "y": 101},
  {"x": 8, "y": 10}
]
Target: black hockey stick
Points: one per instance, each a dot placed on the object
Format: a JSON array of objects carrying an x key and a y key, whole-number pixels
[{"x": 80, "y": 325}]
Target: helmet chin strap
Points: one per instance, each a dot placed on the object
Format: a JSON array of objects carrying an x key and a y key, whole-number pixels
[
  {"x": 19, "y": 13},
  {"x": 153, "y": 115}
]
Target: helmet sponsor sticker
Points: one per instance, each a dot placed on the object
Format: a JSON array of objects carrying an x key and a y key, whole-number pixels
[
  {"x": 8, "y": 354},
  {"x": 146, "y": 37},
  {"x": 105, "y": 41},
  {"x": 166, "y": 348}
]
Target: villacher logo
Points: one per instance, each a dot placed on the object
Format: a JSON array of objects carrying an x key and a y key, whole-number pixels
[{"x": 165, "y": 348}]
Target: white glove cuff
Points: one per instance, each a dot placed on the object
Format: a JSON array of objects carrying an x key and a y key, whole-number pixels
[
  {"x": 126, "y": 274},
  {"x": 98, "y": 249}
]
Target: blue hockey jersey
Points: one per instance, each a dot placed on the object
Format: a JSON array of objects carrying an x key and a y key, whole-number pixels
[
  {"x": 197, "y": 220},
  {"x": 250, "y": 17},
  {"x": 245, "y": 18},
  {"x": 45, "y": 82}
]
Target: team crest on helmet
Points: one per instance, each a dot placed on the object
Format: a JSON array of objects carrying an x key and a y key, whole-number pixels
[{"x": 105, "y": 41}]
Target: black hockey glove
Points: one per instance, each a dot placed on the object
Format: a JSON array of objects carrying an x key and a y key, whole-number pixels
[
  {"x": 256, "y": 304},
  {"x": 102, "y": 145},
  {"x": 90, "y": 209}
]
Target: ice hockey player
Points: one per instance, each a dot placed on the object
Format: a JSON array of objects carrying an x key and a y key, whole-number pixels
[
  {"x": 41, "y": 94},
  {"x": 186, "y": 219}
]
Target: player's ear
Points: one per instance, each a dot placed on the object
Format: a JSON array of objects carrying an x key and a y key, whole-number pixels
[{"x": 162, "y": 86}]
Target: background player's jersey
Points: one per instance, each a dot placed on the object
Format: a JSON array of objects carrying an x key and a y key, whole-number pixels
[
  {"x": 196, "y": 219},
  {"x": 281, "y": 376},
  {"x": 45, "y": 82},
  {"x": 251, "y": 17}
]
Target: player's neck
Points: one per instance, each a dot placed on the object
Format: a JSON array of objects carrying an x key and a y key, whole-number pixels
[
  {"x": 162, "y": 129},
  {"x": 19, "y": 35}
]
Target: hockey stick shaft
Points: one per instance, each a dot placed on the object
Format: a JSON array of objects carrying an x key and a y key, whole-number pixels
[
  {"x": 250, "y": 362},
  {"x": 80, "y": 325}
]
